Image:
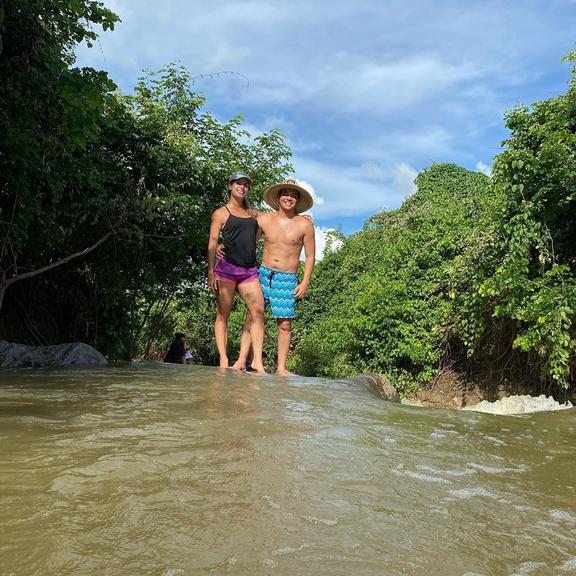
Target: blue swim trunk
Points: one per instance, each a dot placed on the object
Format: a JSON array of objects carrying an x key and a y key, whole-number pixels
[{"x": 278, "y": 289}]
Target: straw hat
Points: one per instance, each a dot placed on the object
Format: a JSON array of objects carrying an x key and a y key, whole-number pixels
[{"x": 304, "y": 203}]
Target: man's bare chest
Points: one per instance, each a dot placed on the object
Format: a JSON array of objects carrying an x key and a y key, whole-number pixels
[{"x": 282, "y": 234}]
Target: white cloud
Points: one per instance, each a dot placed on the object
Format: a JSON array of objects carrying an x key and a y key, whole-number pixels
[
  {"x": 322, "y": 234},
  {"x": 346, "y": 190},
  {"x": 357, "y": 190},
  {"x": 291, "y": 55},
  {"x": 383, "y": 85},
  {"x": 367, "y": 93},
  {"x": 481, "y": 167},
  {"x": 374, "y": 170},
  {"x": 318, "y": 200},
  {"x": 227, "y": 56},
  {"x": 428, "y": 141},
  {"x": 404, "y": 179},
  {"x": 401, "y": 173}
]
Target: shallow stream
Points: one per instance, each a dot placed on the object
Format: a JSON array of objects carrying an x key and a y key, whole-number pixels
[{"x": 170, "y": 470}]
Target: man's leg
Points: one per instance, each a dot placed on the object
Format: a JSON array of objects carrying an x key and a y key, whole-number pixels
[
  {"x": 245, "y": 344},
  {"x": 284, "y": 335},
  {"x": 224, "y": 300},
  {"x": 251, "y": 292}
]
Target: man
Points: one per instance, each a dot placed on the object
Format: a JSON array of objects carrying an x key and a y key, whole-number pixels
[
  {"x": 285, "y": 234},
  {"x": 177, "y": 352}
]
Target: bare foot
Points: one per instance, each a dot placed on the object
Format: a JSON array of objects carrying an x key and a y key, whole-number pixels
[
  {"x": 223, "y": 362},
  {"x": 258, "y": 368},
  {"x": 284, "y": 372},
  {"x": 238, "y": 365}
]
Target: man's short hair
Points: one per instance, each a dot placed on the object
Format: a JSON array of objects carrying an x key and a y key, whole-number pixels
[{"x": 179, "y": 335}]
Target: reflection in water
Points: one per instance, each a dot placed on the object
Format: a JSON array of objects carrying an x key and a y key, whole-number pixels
[
  {"x": 241, "y": 398},
  {"x": 173, "y": 470}
]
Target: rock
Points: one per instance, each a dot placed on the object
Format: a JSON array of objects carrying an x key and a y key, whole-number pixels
[
  {"x": 23, "y": 356},
  {"x": 378, "y": 385}
]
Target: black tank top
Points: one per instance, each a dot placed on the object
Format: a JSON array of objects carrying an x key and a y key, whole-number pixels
[{"x": 239, "y": 237}]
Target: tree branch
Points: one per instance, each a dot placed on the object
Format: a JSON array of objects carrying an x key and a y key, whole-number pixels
[{"x": 5, "y": 284}]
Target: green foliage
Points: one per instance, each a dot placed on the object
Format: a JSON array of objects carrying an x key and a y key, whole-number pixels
[
  {"x": 382, "y": 302},
  {"x": 60, "y": 143},
  {"x": 50, "y": 116},
  {"x": 532, "y": 281},
  {"x": 466, "y": 267},
  {"x": 79, "y": 160}
]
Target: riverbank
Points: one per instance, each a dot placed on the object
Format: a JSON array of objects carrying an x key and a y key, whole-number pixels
[{"x": 452, "y": 390}]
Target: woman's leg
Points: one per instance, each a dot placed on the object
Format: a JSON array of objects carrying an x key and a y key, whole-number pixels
[
  {"x": 245, "y": 344},
  {"x": 224, "y": 300},
  {"x": 251, "y": 292}
]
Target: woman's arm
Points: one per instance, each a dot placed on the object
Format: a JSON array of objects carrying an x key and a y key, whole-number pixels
[{"x": 215, "y": 227}]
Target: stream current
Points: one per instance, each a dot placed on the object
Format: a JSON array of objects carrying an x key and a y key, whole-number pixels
[{"x": 168, "y": 470}]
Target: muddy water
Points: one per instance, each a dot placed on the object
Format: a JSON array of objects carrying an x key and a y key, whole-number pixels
[{"x": 172, "y": 471}]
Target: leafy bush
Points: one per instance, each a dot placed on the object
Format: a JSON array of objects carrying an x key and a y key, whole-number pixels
[
  {"x": 382, "y": 302},
  {"x": 468, "y": 267}
]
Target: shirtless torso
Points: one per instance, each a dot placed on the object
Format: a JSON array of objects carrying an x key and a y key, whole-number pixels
[{"x": 285, "y": 236}]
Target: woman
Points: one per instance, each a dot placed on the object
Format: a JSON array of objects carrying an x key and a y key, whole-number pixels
[{"x": 237, "y": 270}]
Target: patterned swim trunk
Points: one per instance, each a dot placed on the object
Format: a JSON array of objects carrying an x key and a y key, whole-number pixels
[
  {"x": 226, "y": 272},
  {"x": 278, "y": 289}
]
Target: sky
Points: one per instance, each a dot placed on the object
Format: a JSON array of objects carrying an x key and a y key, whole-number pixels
[{"x": 367, "y": 92}]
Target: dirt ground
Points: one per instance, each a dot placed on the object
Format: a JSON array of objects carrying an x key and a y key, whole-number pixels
[{"x": 450, "y": 389}]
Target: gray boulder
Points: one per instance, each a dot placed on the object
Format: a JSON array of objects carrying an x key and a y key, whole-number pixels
[
  {"x": 379, "y": 385},
  {"x": 23, "y": 356}
]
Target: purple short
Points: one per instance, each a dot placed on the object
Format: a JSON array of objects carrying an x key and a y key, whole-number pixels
[{"x": 226, "y": 272}]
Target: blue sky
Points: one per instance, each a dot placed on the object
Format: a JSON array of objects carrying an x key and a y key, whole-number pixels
[{"x": 367, "y": 92}]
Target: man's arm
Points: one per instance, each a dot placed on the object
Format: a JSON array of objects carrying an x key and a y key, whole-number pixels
[
  {"x": 262, "y": 219},
  {"x": 309, "y": 242}
]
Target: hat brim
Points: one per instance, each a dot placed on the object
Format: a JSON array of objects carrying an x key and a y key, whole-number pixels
[
  {"x": 305, "y": 201},
  {"x": 238, "y": 176}
]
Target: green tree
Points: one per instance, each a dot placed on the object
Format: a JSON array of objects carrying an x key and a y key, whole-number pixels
[
  {"x": 528, "y": 280},
  {"x": 383, "y": 301},
  {"x": 49, "y": 116},
  {"x": 105, "y": 199}
]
